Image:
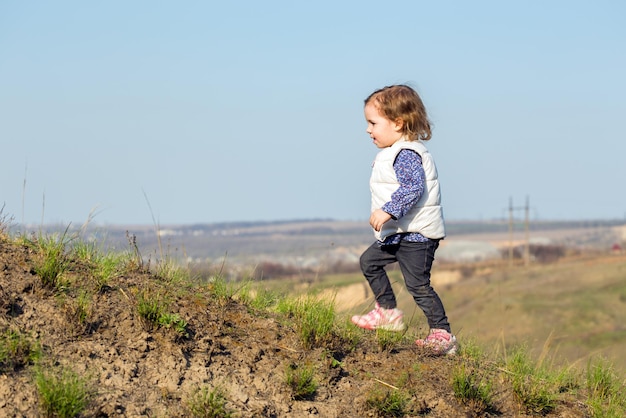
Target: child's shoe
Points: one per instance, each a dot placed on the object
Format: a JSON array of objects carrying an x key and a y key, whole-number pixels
[
  {"x": 440, "y": 342},
  {"x": 380, "y": 318}
]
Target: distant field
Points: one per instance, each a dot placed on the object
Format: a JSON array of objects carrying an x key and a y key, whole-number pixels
[
  {"x": 575, "y": 306},
  {"x": 295, "y": 241}
]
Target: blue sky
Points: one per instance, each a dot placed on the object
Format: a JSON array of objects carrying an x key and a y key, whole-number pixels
[{"x": 202, "y": 111}]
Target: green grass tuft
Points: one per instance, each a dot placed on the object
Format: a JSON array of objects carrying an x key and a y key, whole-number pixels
[
  {"x": 606, "y": 395},
  {"x": 301, "y": 381},
  {"x": 16, "y": 350},
  {"x": 54, "y": 261},
  {"x": 390, "y": 403},
  {"x": 63, "y": 393},
  {"x": 533, "y": 384},
  {"x": 473, "y": 388},
  {"x": 314, "y": 318},
  {"x": 206, "y": 402}
]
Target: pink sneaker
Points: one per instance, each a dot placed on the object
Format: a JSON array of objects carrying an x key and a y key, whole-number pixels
[
  {"x": 380, "y": 318},
  {"x": 439, "y": 341}
]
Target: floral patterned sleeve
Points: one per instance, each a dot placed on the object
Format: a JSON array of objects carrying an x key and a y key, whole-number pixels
[{"x": 410, "y": 174}]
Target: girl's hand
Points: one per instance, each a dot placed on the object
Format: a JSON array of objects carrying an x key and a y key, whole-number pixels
[{"x": 378, "y": 218}]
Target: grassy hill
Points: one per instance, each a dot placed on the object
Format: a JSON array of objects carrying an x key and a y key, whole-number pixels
[
  {"x": 85, "y": 332},
  {"x": 575, "y": 307}
]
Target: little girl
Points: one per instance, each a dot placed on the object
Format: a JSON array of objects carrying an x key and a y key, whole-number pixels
[{"x": 406, "y": 216}]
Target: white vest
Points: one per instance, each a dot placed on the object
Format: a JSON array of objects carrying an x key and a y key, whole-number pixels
[{"x": 426, "y": 217}]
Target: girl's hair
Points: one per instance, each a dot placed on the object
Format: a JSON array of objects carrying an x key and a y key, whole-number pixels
[{"x": 402, "y": 102}]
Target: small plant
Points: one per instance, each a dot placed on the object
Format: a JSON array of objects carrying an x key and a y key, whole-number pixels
[
  {"x": 472, "y": 351},
  {"x": 604, "y": 389},
  {"x": 150, "y": 307},
  {"x": 168, "y": 270},
  {"x": 242, "y": 292},
  {"x": 109, "y": 266},
  {"x": 85, "y": 251},
  {"x": 153, "y": 309},
  {"x": 302, "y": 382},
  {"x": 16, "y": 350},
  {"x": 473, "y": 389},
  {"x": 105, "y": 266},
  {"x": 174, "y": 321},
  {"x": 78, "y": 309},
  {"x": 314, "y": 318},
  {"x": 206, "y": 402},
  {"x": 5, "y": 220},
  {"x": 135, "y": 260},
  {"x": 390, "y": 403},
  {"x": 259, "y": 299},
  {"x": 534, "y": 386},
  {"x": 601, "y": 380},
  {"x": 264, "y": 299},
  {"x": 387, "y": 340},
  {"x": 221, "y": 289},
  {"x": 349, "y": 334},
  {"x": 62, "y": 393},
  {"x": 54, "y": 260}
]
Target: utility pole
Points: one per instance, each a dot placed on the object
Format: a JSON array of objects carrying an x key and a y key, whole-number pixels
[
  {"x": 526, "y": 209},
  {"x": 510, "y": 230},
  {"x": 527, "y": 230}
]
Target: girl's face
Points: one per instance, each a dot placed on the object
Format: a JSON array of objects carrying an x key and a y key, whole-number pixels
[{"x": 383, "y": 131}]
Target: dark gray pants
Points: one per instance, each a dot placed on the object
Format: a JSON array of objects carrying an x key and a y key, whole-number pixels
[{"x": 415, "y": 260}]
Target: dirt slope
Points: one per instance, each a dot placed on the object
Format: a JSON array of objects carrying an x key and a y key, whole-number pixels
[{"x": 139, "y": 371}]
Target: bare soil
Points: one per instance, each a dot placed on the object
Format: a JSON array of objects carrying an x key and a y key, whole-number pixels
[{"x": 136, "y": 370}]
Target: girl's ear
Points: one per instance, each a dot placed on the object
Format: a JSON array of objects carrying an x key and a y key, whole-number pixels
[{"x": 398, "y": 124}]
